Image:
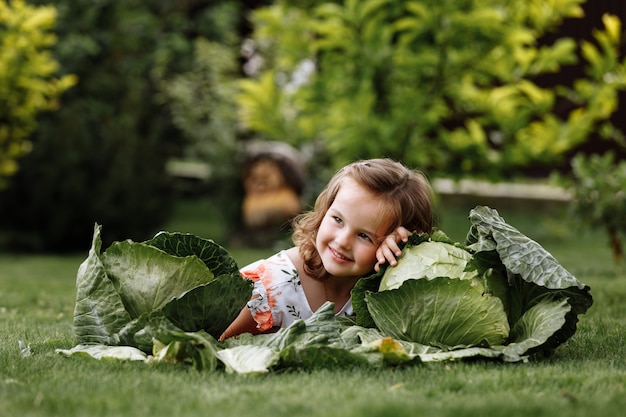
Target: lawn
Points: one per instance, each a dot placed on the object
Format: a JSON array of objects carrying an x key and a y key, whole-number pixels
[{"x": 586, "y": 376}]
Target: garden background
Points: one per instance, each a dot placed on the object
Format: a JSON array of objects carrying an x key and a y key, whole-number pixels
[{"x": 142, "y": 116}]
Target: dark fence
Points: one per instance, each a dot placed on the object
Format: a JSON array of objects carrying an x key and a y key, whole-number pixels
[
  {"x": 594, "y": 9},
  {"x": 582, "y": 29}
]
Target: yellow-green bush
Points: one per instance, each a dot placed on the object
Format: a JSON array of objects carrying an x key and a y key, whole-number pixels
[
  {"x": 28, "y": 77},
  {"x": 454, "y": 87}
]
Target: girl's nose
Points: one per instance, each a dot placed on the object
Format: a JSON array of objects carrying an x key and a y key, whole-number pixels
[{"x": 343, "y": 239}]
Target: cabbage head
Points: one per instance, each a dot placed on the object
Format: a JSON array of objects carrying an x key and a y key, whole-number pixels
[
  {"x": 135, "y": 292},
  {"x": 500, "y": 294},
  {"x": 431, "y": 298}
]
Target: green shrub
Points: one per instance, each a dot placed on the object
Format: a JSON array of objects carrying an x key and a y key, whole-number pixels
[{"x": 599, "y": 186}]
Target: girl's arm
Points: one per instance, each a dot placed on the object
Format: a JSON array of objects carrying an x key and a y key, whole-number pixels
[
  {"x": 244, "y": 323},
  {"x": 388, "y": 250}
]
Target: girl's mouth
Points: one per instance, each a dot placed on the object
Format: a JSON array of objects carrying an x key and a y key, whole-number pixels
[{"x": 339, "y": 255}]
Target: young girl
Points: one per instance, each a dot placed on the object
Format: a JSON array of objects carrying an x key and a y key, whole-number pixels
[{"x": 366, "y": 209}]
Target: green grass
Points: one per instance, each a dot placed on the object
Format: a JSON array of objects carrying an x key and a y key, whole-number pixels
[{"x": 586, "y": 376}]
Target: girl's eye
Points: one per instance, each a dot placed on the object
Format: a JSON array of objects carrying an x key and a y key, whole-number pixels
[
  {"x": 337, "y": 219},
  {"x": 364, "y": 236}
]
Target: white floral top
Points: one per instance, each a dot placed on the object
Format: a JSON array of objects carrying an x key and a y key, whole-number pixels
[{"x": 278, "y": 298}]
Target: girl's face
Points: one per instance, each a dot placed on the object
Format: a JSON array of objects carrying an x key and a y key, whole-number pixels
[{"x": 351, "y": 230}]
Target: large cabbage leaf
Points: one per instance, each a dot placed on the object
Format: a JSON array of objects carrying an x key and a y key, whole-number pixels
[
  {"x": 532, "y": 273},
  {"x": 99, "y": 313},
  {"x": 428, "y": 260},
  {"x": 215, "y": 257},
  {"x": 447, "y": 312},
  {"x": 518, "y": 253},
  {"x": 538, "y": 324},
  {"x": 121, "y": 291},
  {"x": 146, "y": 278},
  {"x": 209, "y": 307}
]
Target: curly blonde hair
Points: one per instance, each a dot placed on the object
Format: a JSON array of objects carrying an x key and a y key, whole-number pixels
[{"x": 405, "y": 193}]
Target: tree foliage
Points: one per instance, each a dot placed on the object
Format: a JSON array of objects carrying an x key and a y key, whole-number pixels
[
  {"x": 29, "y": 83},
  {"x": 449, "y": 86},
  {"x": 599, "y": 181},
  {"x": 101, "y": 157}
]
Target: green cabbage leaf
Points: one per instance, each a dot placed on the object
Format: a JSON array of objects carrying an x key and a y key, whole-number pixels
[
  {"x": 440, "y": 312},
  {"x": 190, "y": 283}
]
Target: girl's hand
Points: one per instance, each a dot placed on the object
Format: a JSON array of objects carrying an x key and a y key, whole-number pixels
[{"x": 388, "y": 250}]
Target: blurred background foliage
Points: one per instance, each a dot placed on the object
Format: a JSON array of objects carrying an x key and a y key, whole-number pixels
[
  {"x": 28, "y": 82},
  {"x": 457, "y": 88},
  {"x": 453, "y": 87},
  {"x": 101, "y": 156}
]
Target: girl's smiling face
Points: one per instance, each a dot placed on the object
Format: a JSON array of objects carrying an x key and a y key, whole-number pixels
[{"x": 351, "y": 231}]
